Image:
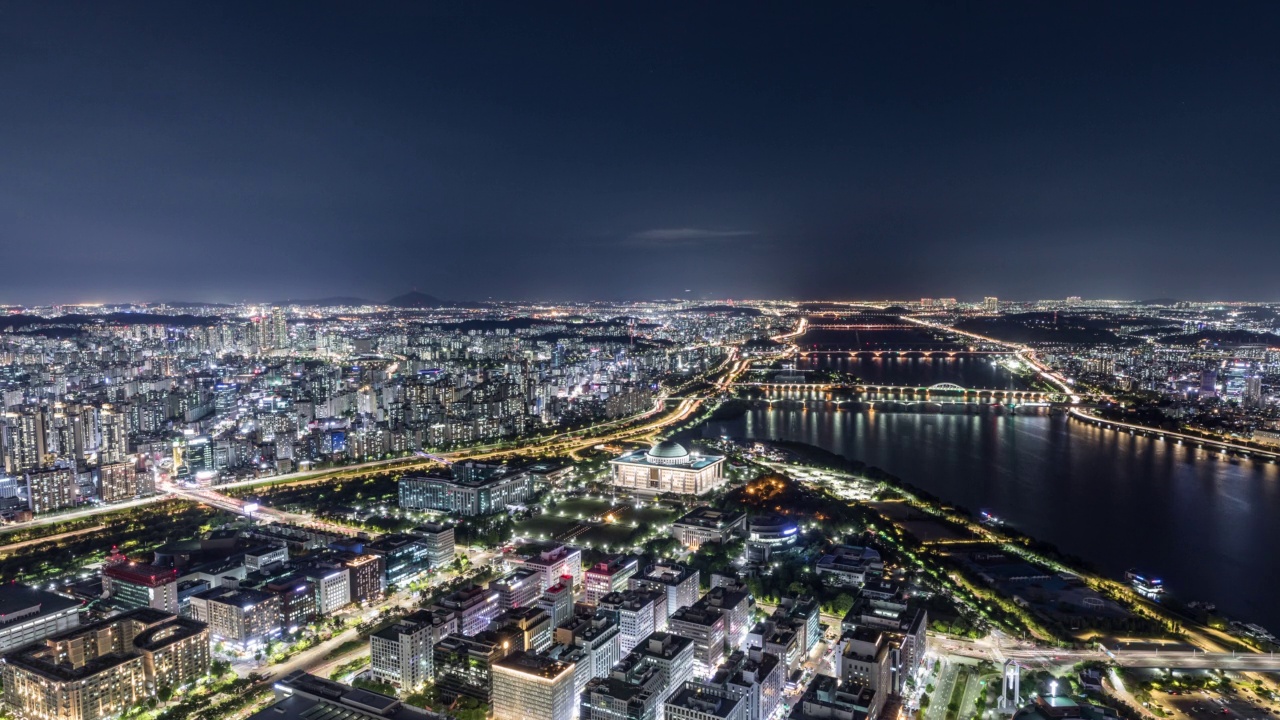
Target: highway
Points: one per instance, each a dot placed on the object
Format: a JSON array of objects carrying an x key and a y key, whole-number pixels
[{"x": 1180, "y": 657}]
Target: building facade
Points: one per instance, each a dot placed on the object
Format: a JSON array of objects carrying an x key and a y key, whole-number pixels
[{"x": 667, "y": 468}]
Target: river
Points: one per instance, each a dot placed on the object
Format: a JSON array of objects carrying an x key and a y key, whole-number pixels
[{"x": 1206, "y": 525}]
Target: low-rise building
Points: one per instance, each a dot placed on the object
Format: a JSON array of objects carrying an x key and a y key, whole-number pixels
[
  {"x": 850, "y": 566},
  {"x": 480, "y": 490},
  {"x": 302, "y": 696},
  {"x": 770, "y": 536},
  {"x": 706, "y": 524},
  {"x": 667, "y": 468},
  {"x": 29, "y": 615}
]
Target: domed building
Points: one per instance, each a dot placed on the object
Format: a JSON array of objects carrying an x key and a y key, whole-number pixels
[{"x": 668, "y": 467}]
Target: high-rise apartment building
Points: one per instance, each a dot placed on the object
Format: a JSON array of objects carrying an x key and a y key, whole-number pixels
[{"x": 51, "y": 489}]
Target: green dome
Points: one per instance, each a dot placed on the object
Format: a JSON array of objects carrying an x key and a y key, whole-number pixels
[{"x": 668, "y": 450}]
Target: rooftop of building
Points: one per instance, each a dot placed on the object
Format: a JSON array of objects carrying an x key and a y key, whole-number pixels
[
  {"x": 694, "y": 615},
  {"x": 20, "y": 602},
  {"x": 663, "y": 645},
  {"x": 698, "y": 697},
  {"x": 667, "y": 573},
  {"x": 532, "y": 664},
  {"x": 245, "y": 598},
  {"x": 614, "y": 565},
  {"x": 710, "y": 518},
  {"x": 160, "y": 630},
  {"x": 141, "y": 574},
  {"x": 669, "y": 454},
  {"x": 314, "y": 698}
]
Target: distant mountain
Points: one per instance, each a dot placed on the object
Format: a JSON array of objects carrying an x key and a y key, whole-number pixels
[
  {"x": 326, "y": 302},
  {"x": 189, "y": 304},
  {"x": 421, "y": 300}
]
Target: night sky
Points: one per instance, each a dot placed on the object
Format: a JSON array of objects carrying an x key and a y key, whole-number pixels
[{"x": 263, "y": 151}]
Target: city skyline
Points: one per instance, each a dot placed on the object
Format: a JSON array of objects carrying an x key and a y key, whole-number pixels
[{"x": 164, "y": 152}]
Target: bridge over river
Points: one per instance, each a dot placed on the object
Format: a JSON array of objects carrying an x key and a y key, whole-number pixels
[{"x": 937, "y": 393}]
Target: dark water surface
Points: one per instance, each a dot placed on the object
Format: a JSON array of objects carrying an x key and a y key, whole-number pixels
[{"x": 1208, "y": 526}]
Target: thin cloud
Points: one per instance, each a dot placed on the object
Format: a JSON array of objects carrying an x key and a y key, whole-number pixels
[{"x": 667, "y": 237}]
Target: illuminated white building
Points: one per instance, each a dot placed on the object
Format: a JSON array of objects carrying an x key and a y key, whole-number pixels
[{"x": 668, "y": 468}]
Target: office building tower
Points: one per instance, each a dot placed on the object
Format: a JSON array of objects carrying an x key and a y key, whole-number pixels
[
  {"x": 551, "y": 561},
  {"x": 464, "y": 665},
  {"x": 242, "y": 617},
  {"x": 520, "y": 588},
  {"x": 640, "y": 613},
  {"x": 678, "y": 583},
  {"x": 599, "y": 637},
  {"x": 557, "y": 600},
  {"x": 367, "y": 577},
  {"x": 695, "y": 701},
  {"x": 530, "y": 624},
  {"x": 406, "y": 557},
  {"x": 138, "y": 585},
  {"x": 403, "y": 653},
  {"x": 672, "y": 655},
  {"x": 631, "y": 691},
  {"x": 474, "y": 606},
  {"x": 755, "y": 677},
  {"x": 527, "y": 686},
  {"x": 607, "y": 576},
  {"x": 705, "y": 626},
  {"x": 439, "y": 541}
]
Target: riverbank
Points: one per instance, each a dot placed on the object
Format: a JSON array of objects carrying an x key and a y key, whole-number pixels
[{"x": 1174, "y": 624}]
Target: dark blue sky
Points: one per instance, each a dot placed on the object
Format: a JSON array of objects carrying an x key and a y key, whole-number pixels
[{"x": 265, "y": 150}]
